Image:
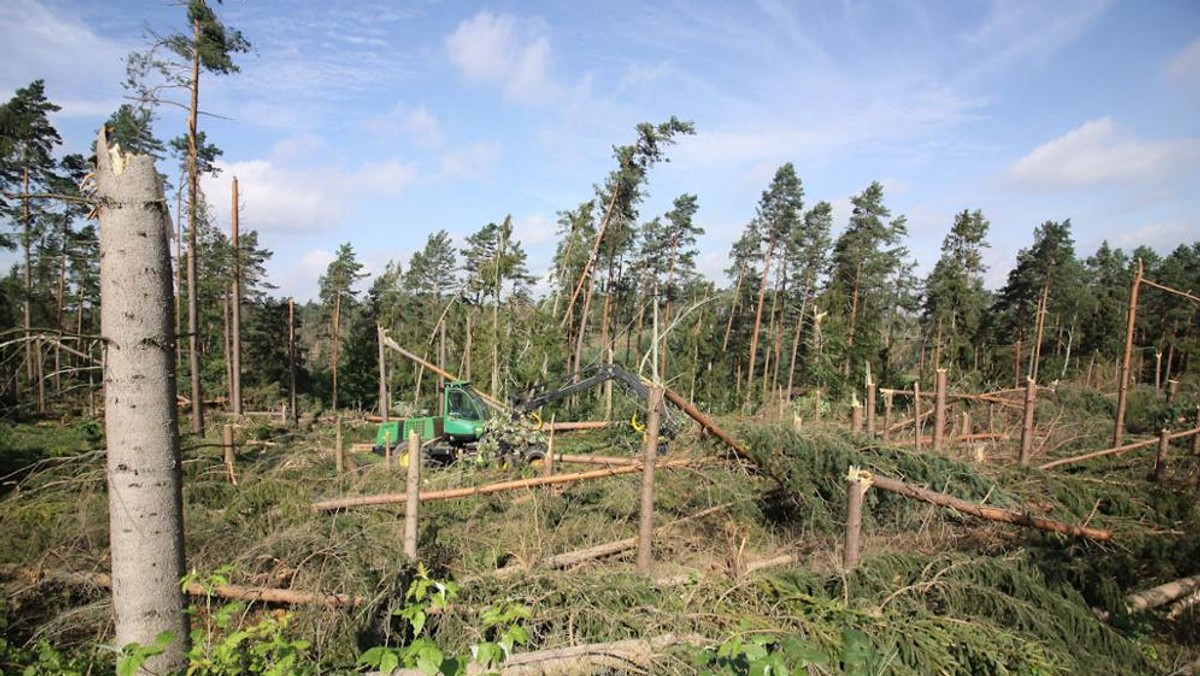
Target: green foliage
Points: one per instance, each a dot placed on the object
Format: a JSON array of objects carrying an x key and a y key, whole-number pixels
[
  {"x": 226, "y": 642},
  {"x": 502, "y": 623}
]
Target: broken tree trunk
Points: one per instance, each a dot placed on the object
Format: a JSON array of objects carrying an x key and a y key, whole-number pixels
[
  {"x": 145, "y": 485},
  {"x": 393, "y": 498},
  {"x": 635, "y": 654},
  {"x": 1027, "y": 421},
  {"x": 1115, "y": 451},
  {"x": 706, "y": 422},
  {"x": 1123, "y": 383},
  {"x": 413, "y": 501},
  {"x": 1162, "y": 594},
  {"x": 983, "y": 512},
  {"x": 858, "y": 482}
]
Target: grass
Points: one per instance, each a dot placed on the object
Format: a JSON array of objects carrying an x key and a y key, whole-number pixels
[{"x": 937, "y": 591}]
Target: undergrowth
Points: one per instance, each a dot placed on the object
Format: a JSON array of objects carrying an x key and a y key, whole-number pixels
[{"x": 981, "y": 600}]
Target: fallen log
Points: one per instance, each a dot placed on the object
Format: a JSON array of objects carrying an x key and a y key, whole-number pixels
[
  {"x": 596, "y": 459},
  {"x": 1102, "y": 453},
  {"x": 1162, "y": 594},
  {"x": 569, "y": 426},
  {"x": 706, "y": 422},
  {"x": 574, "y": 558},
  {"x": 400, "y": 498},
  {"x": 225, "y": 591},
  {"x": 633, "y": 654},
  {"x": 990, "y": 513}
]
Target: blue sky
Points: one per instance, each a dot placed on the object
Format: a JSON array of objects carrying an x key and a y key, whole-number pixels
[{"x": 379, "y": 123}]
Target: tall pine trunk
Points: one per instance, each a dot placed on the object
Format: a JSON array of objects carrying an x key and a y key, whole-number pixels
[
  {"x": 140, "y": 416},
  {"x": 193, "y": 196},
  {"x": 762, "y": 294}
]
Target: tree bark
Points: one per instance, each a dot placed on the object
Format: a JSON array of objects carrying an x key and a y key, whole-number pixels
[
  {"x": 193, "y": 197},
  {"x": 983, "y": 512},
  {"x": 762, "y": 294},
  {"x": 645, "y": 558},
  {"x": 1123, "y": 383},
  {"x": 236, "y": 305},
  {"x": 141, "y": 425},
  {"x": 450, "y": 494},
  {"x": 413, "y": 487},
  {"x": 1162, "y": 594}
]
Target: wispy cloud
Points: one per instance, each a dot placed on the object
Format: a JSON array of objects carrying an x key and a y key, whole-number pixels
[
  {"x": 1097, "y": 153},
  {"x": 280, "y": 199},
  {"x": 1184, "y": 69},
  {"x": 478, "y": 160},
  {"x": 416, "y": 123},
  {"x": 1016, "y": 31},
  {"x": 496, "y": 50},
  {"x": 81, "y": 68}
]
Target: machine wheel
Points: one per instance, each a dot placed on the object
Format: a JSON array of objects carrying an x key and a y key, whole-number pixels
[{"x": 536, "y": 456}]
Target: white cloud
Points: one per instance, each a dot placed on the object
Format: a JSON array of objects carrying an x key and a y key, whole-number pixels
[
  {"x": 1185, "y": 68},
  {"x": 493, "y": 49},
  {"x": 534, "y": 230},
  {"x": 295, "y": 148},
  {"x": 416, "y": 123},
  {"x": 475, "y": 161},
  {"x": 1162, "y": 236},
  {"x": 1022, "y": 30},
  {"x": 61, "y": 49},
  {"x": 283, "y": 199},
  {"x": 1097, "y": 153}
]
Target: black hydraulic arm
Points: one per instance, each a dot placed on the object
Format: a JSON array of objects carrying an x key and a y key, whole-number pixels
[{"x": 603, "y": 373}]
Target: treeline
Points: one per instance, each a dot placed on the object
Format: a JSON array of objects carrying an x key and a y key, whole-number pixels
[{"x": 807, "y": 304}]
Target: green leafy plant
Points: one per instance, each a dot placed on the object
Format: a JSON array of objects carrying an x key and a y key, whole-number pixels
[
  {"x": 224, "y": 643},
  {"x": 503, "y": 622},
  {"x": 423, "y": 595}
]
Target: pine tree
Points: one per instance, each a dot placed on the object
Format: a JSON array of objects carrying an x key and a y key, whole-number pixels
[
  {"x": 955, "y": 298},
  {"x": 208, "y": 46},
  {"x": 1044, "y": 290},
  {"x": 779, "y": 212},
  {"x": 337, "y": 293},
  {"x": 868, "y": 280},
  {"x": 27, "y": 166}
]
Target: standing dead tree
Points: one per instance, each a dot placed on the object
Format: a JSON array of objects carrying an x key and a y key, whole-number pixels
[{"x": 140, "y": 417}]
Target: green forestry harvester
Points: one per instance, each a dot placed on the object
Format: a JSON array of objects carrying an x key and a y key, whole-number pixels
[{"x": 465, "y": 417}]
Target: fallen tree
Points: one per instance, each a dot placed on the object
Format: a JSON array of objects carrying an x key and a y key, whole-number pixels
[
  {"x": 400, "y": 498},
  {"x": 633, "y": 654},
  {"x": 990, "y": 513}
]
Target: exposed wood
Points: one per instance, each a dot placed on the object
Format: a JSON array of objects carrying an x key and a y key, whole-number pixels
[
  {"x": 984, "y": 512},
  {"x": 628, "y": 656},
  {"x": 939, "y": 410},
  {"x": 487, "y": 398},
  {"x": 871, "y": 394},
  {"x": 236, "y": 307},
  {"x": 384, "y": 403},
  {"x": 1027, "y": 421},
  {"x": 228, "y": 448},
  {"x": 1123, "y": 382},
  {"x": 232, "y": 591},
  {"x": 393, "y": 498},
  {"x": 645, "y": 557},
  {"x": 605, "y": 549},
  {"x": 856, "y": 417},
  {"x": 609, "y": 460},
  {"x": 857, "y": 484},
  {"x": 1116, "y": 450},
  {"x": 1160, "y": 459},
  {"x": 706, "y": 422},
  {"x": 412, "y": 504},
  {"x": 1162, "y": 594}
]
